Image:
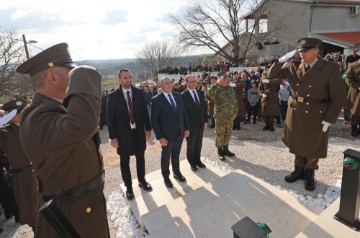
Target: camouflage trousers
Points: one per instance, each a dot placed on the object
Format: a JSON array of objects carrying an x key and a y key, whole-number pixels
[{"x": 223, "y": 130}]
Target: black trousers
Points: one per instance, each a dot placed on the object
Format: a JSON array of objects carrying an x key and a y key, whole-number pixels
[
  {"x": 140, "y": 164},
  {"x": 194, "y": 145},
  {"x": 171, "y": 151}
]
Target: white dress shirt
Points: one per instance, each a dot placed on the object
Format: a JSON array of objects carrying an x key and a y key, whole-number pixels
[{"x": 124, "y": 91}]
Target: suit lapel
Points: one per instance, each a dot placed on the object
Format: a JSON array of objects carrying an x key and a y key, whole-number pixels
[
  {"x": 313, "y": 71},
  {"x": 190, "y": 98},
  {"x": 166, "y": 102}
]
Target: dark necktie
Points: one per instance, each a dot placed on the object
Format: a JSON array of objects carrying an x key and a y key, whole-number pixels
[
  {"x": 196, "y": 98},
  {"x": 307, "y": 67},
  {"x": 172, "y": 102},
  {"x": 131, "y": 108}
]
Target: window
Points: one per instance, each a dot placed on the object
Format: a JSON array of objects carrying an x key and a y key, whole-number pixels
[{"x": 355, "y": 11}]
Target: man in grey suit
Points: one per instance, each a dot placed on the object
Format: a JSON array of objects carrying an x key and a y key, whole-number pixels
[{"x": 170, "y": 124}]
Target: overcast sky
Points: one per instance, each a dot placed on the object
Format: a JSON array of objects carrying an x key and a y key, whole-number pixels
[{"x": 94, "y": 29}]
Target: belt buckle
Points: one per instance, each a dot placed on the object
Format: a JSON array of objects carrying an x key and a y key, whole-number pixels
[{"x": 300, "y": 99}]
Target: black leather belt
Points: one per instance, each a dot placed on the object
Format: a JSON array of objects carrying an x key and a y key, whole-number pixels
[
  {"x": 78, "y": 191},
  {"x": 25, "y": 169},
  {"x": 311, "y": 100}
]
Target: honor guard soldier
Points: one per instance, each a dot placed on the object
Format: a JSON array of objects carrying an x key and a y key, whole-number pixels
[
  {"x": 24, "y": 184},
  {"x": 269, "y": 89},
  {"x": 317, "y": 98},
  {"x": 239, "y": 87},
  {"x": 353, "y": 79},
  {"x": 60, "y": 135}
]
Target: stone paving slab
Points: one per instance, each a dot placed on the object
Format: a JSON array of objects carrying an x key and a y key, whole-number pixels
[
  {"x": 145, "y": 202},
  {"x": 325, "y": 226},
  {"x": 211, "y": 210}
]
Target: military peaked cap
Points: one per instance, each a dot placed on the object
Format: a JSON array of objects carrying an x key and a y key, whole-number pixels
[
  {"x": 308, "y": 43},
  {"x": 57, "y": 55}
]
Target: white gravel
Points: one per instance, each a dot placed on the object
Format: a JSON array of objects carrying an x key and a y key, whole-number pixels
[{"x": 260, "y": 154}]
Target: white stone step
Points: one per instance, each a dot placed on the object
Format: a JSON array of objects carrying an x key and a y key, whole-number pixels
[
  {"x": 325, "y": 226},
  {"x": 210, "y": 211},
  {"x": 145, "y": 202}
]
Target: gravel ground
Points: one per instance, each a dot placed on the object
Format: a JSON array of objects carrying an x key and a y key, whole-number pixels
[{"x": 259, "y": 153}]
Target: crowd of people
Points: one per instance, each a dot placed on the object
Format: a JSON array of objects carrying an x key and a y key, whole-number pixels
[{"x": 51, "y": 146}]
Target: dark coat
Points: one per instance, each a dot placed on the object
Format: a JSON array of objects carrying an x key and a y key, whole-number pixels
[
  {"x": 62, "y": 141},
  {"x": 119, "y": 121},
  {"x": 148, "y": 96},
  {"x": 197, "y": 114},
  {"x": 303, "y": 129},
  {"x": 353, "y": 79},
  {"x": 165, "y": 121},
  {"x": 24, "y": 184},
  {"x": 270, "y": 103},
  {"x": 239, "y": 88}
]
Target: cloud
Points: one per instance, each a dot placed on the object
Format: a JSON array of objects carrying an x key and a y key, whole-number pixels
[
  {"x": 16, "y": 18},
  {"x": 115, "y": 17}
]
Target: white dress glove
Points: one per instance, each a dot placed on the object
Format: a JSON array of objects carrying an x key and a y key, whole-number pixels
[
  {"x": 264, "y": 95},
  {"x": 265, "y": 80},
  {"x": 287, "y": 56},
  {"x": 325, "y": 125}
]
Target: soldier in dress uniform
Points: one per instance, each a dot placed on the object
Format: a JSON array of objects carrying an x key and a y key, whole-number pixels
[
  {"x": 225, "y": 111},
  {"x": 239, "y": 87},
  {"x": 353, "y": 103},
  {"x": 269, "y": 89},
  {"x": 24, "y": 184},
  {"x": 59, "y": 134},
  {"x": 317, "y": 98}
]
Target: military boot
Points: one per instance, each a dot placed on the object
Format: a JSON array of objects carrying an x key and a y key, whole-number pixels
[
  {"x": 266, "y": 127},
  {"x": 227, "y": 152},
  {"x": 297, "y": 174},
  {"x": 238, "y": 125},
  {"x": 212, "y": 122},
  {"x": 309, "y": 180},
  {"x": 354, "y": 130},
  {"x": 271, "y": 127},
  {"x": 221, "y": 153}
]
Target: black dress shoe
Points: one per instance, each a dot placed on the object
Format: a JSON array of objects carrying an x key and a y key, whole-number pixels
[
  {"x": 200, "y": 164},
  {"x": 179, "y": 177},
  {"x": 168, "y": 183},
  {"x": 129, "y": 194},
  {"x": 194, "y": 168},
  {"x": 145, "y": 185}
]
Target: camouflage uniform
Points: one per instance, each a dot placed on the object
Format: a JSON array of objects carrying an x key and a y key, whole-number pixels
[{"x": 224, "y": 111}]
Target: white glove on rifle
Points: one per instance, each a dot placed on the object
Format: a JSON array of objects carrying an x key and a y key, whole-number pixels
[
  {"x": 287, "y": 56},
  {"x": 325, "y": 125}
]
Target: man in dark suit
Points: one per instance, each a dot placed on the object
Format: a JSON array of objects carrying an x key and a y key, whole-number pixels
[
  {"x": 196, "y": 109},
  {"x": 170, "y": 124},
  {"x": 128, "y": 119}
]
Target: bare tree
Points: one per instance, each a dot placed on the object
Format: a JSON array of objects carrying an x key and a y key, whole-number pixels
[
  {"x": 156, "y": 55},
  {"x": 11, "y": 55},
  {"x": 218, "y": 23}
]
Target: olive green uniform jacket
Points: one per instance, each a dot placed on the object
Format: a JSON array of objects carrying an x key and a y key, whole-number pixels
[
  {"x": 62, "y": 141},
  {"x": 353, "y": 79},
  {"x": 24, "y": 185},
  {"x": 225, "y": 108},
  {"x": 303, "y": 129}
]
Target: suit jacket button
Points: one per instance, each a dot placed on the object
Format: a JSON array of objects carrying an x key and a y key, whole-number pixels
[
  {"x": 297, "y": 84},
  {"x": 308, "y": 95},
  {"x": 294, "y": 108},
  {"x": 88, "y": 210},
  {"x": 320, "y": 111},
  {"x": 309, "y": 86},
  {"x": 306, "y": 112},
  {"x": 307, "y": 103}
]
